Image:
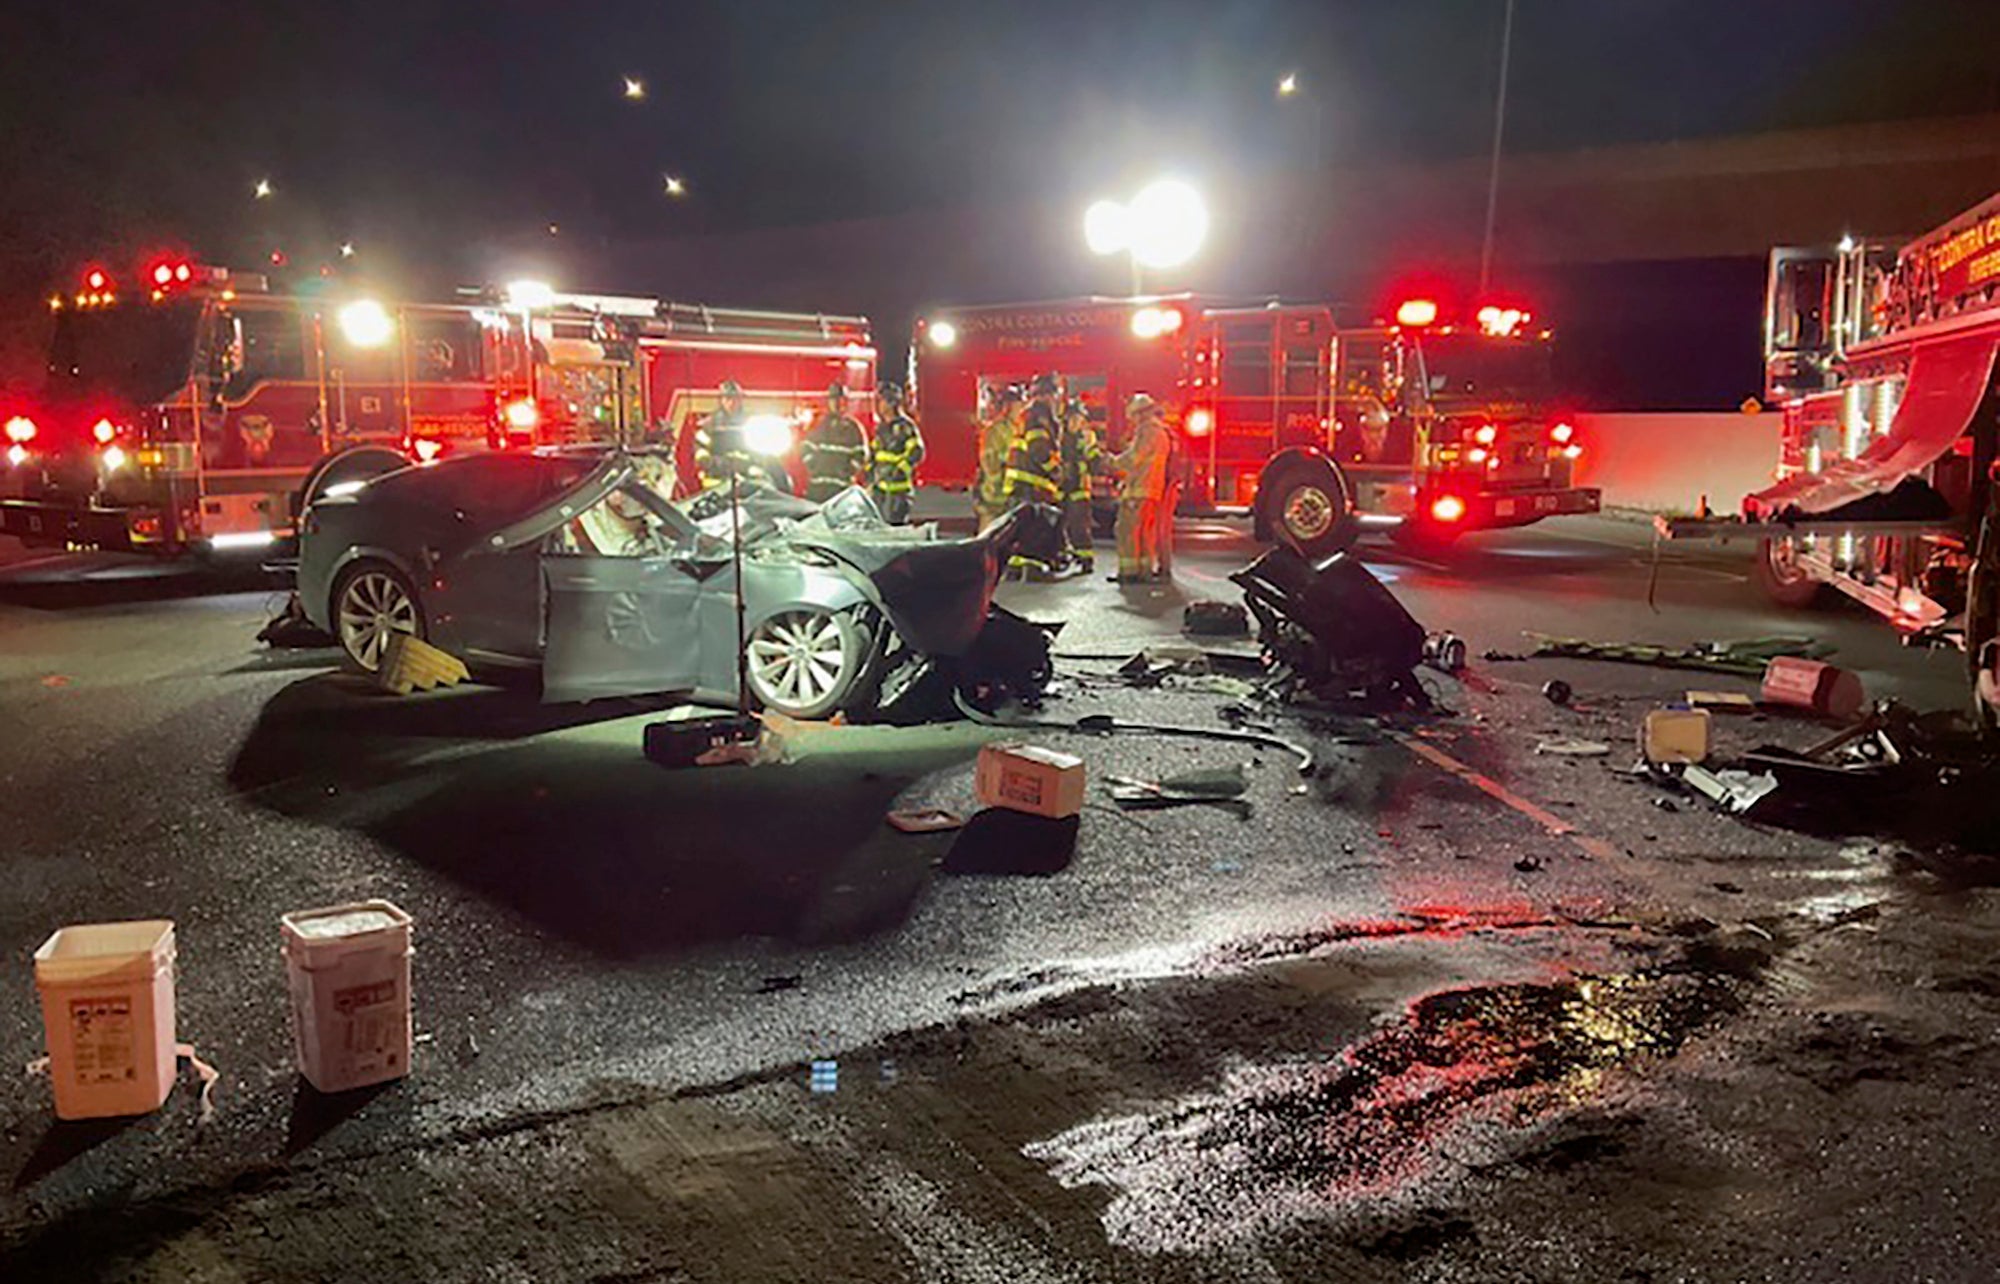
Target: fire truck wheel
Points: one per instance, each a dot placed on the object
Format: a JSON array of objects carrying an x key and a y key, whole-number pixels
[
  {"x": 804, "y": 663},
  {"x": 1309, "y": 509},
  {"x": 372, "y": 602},
  {"x": 1781, "y": 578}
]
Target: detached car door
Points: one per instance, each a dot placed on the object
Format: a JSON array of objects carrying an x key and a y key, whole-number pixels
[{"x": 621, "y": 624}]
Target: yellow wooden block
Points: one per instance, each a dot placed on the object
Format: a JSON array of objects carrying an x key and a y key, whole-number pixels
[{"x": 410, "y": 663}]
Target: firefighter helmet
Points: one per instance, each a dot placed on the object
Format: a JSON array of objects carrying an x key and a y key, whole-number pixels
[
  {"x": 1043, "y": 386},
  {"x": 730, "y": 388},
  {"x": 836, "y": 392},
  {"x": 1141, "y": 404},
  {"x": 890, "y": 391}
]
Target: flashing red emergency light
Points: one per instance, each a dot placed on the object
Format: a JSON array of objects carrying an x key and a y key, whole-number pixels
[
  {"x": 1486, "y": 434},
  {"x": 1561, "y": 433},
  {"x": 21, "y": 430},
  {"x": 1200, "y": 422},
  {"x": 1417, "y": 312},
  {"x": 1448, "y": 508},
  {"x": 96, "y": 279},
  {"x": 103, "y": 431},
  {"x": 522, "y": 415}
]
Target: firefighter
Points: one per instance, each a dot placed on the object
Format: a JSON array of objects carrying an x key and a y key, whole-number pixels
[
  {"x": 720, "y": 451},
  {"x": 1081, "y": 458},
  {"x": 1032, "y": 465},
  {"x": 1176, "y": 474},
  {"x": 1144, "y": 464},
  {"x": 835, "y": 449},
  {"x": 899, "y": 448},
  {"x": 996, "y": 442}
]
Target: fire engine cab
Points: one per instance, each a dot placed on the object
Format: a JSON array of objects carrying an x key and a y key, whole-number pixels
[
  {"x": 188, "y": 408},
  {"x": 1882, "y": 358},
  {"x": 1286, "y": 411}
]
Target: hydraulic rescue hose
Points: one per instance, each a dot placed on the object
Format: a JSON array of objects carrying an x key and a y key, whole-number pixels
[{"x": 1103, "y": 724}]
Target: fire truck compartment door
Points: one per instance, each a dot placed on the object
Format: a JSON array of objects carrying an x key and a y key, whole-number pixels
[{"x": 1948, "y": 379}]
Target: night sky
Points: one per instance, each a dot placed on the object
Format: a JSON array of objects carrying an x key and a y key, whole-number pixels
[{"x": 416, "y": 129}]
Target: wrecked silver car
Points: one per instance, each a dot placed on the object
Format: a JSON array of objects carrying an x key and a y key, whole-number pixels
[{"x": 582, "y": 565}]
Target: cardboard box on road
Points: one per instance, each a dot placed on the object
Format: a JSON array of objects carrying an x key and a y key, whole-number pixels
[{"x": 1041, "y": 782}]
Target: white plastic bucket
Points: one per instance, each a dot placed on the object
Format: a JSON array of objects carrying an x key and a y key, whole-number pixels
[
  {"x": 348, "y": 970},
  {"x": 108, "y": 1014}
]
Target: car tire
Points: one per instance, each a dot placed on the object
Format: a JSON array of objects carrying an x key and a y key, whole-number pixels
[
  {"x": 371, "y": 601},
  {"x": 1308, "y": 508},
  {"x": 805, "y": 662},
  {"x": 1780, "y": 581}
]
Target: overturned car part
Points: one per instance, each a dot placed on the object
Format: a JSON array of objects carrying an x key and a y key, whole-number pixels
[{"x": 1332, "y": 630}]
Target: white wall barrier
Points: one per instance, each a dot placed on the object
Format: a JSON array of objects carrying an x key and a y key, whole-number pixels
[{"x": 1667, "y": 461}]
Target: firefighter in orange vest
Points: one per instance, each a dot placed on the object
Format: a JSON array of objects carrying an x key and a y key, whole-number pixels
[
  {"x": 899, "y": 448},
  {"x": 835, "y": 449},
  {"x": 1144, "y": 464},
  {"x": 1032, "y": 464}
]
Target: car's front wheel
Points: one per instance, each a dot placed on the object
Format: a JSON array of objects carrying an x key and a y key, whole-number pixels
[
  {"x": 372, "y": 603},
  {"x": 805, "y": 663}
]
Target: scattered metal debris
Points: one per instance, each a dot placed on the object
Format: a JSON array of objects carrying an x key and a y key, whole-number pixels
[
  {"x": 1746, "y": 656},
  {"x": 1445, "y": 652},
  {"x": 1556, "y": 691},
  {"x": 1333, "y": 630},
  {"x": 1568, "y": 748},
  {"x": 1218, "y": 787},
  {"x": 1215, "y": 619},
  {"x": 925, "y": 820},
  {"x": 1735, "y": 791}
]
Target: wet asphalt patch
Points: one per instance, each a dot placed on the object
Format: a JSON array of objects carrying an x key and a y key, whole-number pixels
[{"x": 1462, "y": 1079}]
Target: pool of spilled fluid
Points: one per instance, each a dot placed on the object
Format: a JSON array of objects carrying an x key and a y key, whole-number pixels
[{"x": 1458, "y": 1079}]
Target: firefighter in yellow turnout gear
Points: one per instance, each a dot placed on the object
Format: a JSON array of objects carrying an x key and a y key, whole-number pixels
[
  {"x": 996, "y": 443},
  {"x": 835, "y": 449},
  {"x": 1144, "y": 490},
  {"x": 1032, "y": 465},
  {"x": 1080, "y": 459},
  {"x": 899, "y": 448}
]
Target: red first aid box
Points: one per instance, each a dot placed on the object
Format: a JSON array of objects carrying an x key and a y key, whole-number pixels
[{"x": 1814, "y": 685}]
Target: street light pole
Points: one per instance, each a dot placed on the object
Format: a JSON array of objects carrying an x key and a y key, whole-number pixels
[{"x": 1499, "y": 131}]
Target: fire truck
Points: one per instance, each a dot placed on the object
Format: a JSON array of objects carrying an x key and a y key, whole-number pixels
[
  {"x": 1881, "y": 355},
  {"x": 188, "y": 408},
  {"x": 1289, "y": 412}
]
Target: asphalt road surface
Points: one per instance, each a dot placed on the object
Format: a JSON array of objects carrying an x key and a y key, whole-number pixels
[{"x": 1444, "y": 1008}]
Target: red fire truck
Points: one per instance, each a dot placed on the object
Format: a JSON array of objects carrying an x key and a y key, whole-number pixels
[
  {"x": 187, "y": 408},
  {"x": 1882, "y": 357},
  {"x": 1448, "y": 423}
]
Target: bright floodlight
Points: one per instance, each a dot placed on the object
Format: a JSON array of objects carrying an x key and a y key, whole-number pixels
[
  {"x": 1288, "y": 84},
  {"x": 767, "y": 435},
  {"x": 1168, "y": 223},
  {"x": 943, "y": 334},
  {"x": 527, "y": 296},
  {"x": 366, "y": 324},
  {"x": 1107, "y": 228}
]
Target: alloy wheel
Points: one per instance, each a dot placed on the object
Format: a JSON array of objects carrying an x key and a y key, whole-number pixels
[
  {"x": 374, "y": 606},
  {"x": 803, "y": 663}
]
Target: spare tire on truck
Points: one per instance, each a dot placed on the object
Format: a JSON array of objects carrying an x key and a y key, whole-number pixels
[{"x": 1305, "y": 504}]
